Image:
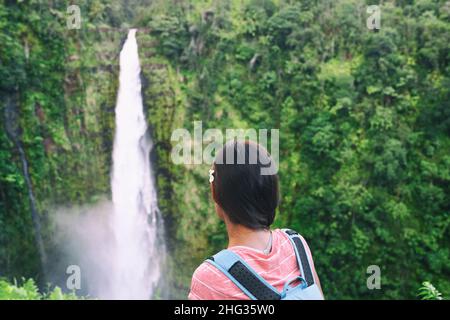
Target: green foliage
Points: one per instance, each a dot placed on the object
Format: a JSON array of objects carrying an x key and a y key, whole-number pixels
[
  {"x": 29, "y": 291},
  {"x": 429, "y": 292},
  {"x": 56, "y": 81},
  {"x": 171, "y": 34}
]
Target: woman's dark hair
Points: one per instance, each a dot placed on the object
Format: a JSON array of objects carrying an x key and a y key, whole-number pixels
[{"x": 247, "y": 196}]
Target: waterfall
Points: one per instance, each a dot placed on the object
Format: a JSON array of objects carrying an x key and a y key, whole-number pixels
[
  {"x": 136, "y": 220},
  {"x": 13, "y": 132}
]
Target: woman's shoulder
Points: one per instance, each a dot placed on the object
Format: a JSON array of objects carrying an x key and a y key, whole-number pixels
[
  {"x": 209, "y": 283},
  {"x": 204, "y": 272},
  {"x": 283, "y": 233}
]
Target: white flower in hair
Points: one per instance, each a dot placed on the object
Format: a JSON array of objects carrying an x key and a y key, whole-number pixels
[{"x": 211, "y": 176}]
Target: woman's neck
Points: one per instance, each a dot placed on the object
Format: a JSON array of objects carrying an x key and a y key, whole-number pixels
[{"x": 239, "y": 235}]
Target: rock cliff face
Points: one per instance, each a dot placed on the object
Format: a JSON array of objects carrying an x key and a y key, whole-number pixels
[{"x": 58, "y": 91}]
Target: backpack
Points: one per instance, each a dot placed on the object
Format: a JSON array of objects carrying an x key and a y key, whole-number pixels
[{"x": 256, "y": 288}]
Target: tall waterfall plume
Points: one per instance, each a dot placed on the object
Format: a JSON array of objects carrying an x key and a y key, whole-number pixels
[{"x": 136, "y": 220}]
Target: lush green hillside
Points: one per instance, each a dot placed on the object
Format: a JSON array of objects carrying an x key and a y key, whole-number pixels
[{"x": 364, "y": 119}]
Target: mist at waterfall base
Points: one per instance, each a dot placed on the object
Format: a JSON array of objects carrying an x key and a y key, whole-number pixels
[{"x": 118, "y": 244}]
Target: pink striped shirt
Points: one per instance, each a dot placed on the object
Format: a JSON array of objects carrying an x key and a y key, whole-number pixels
[{"x": 277, "y": 267}]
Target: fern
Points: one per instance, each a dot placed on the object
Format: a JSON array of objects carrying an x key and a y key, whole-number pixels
[{"x": 429, "y": 292}]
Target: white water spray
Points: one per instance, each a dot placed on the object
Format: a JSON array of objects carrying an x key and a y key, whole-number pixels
[{"x": 137, "y": 254}]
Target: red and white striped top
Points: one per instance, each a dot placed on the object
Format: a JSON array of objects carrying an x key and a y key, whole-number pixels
[{"x": 277, "y": 267}]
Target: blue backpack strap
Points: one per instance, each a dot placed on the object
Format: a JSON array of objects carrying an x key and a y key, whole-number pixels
[
  {"x": 302, "y": 256},
  {"x": 243, "y": 276}
]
